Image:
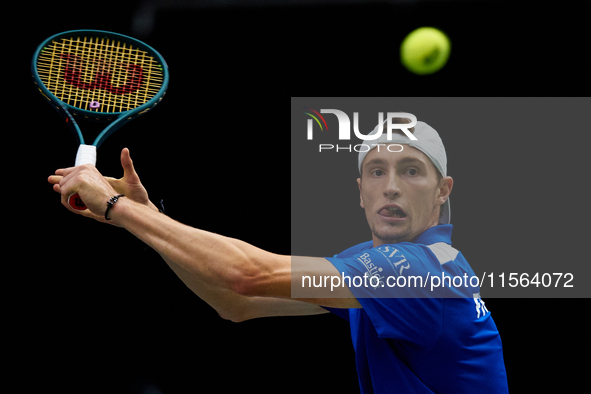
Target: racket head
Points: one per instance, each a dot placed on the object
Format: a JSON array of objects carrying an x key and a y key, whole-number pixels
[{"x": 99, "y": 75}]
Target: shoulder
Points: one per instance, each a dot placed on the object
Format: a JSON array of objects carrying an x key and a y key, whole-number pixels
[
  {"x": 443, "y": 252},
  {"x": 353, "y": 250}
]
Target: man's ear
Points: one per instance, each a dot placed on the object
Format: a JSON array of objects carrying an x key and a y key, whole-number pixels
[
  {"x": 360, "y": 194},
  {"x": 445, "y": 186}
]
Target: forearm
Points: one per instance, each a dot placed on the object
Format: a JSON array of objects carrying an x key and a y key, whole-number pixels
[
  {"x": 237, "y": 308},
  {"x": 226, "y": 303},
  {"x": 214, "y": 259},
  {"x": 224, "y": 270},
  {"x": 228, "y": 274}
]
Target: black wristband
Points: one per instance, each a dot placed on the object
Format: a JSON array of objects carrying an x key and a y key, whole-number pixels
[{"x": 112, "y": 202}]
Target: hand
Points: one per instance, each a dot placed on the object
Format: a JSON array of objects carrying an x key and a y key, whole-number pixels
[{"x": 129, "y": 185}]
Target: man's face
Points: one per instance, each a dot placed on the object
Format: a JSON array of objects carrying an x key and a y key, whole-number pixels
[{"x": 401, "y": 194}]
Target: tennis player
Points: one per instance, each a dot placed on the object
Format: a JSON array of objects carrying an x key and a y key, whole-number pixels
[{"x": 407, "y": 339}]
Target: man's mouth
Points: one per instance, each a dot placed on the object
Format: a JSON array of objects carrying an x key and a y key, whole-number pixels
[{"x": 392, "y": 212}]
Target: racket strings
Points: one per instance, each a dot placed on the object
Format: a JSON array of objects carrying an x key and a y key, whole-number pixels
[{"x": 99, "y": 74}]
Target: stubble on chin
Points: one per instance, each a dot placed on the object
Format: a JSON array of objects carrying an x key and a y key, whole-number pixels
[{"x": 390, "y": 235}]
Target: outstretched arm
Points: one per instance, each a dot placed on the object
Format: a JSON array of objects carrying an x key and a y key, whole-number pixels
[
  {"x": 239, "y": 280},
  {"x": 238, "y": 308},
  {"x": 226, "y": 263}
]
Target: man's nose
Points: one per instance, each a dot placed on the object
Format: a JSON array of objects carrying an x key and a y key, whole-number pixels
[{"x": 392, "y": 186}]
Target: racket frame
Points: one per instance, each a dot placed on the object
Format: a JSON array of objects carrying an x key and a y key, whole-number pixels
[
  {"x": 118, "y": 119},
  {"x": 87, "y": 153}
]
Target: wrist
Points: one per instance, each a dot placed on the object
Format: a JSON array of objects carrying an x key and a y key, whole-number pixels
[
  {"x": 151, "y": 205},
  {"x": 155, "y": 207},
  {"x": 112, "y": 201},
  {"x": 116, "y": 212}
]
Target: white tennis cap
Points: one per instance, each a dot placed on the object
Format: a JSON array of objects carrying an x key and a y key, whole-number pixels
[{"x": 427, "y": 141}]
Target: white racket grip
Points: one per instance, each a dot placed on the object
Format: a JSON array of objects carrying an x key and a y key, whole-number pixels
[{"x": 86, "y": 155}]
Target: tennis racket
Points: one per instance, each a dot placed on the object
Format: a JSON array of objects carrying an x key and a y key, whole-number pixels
[{"x": 98, "y": 76}]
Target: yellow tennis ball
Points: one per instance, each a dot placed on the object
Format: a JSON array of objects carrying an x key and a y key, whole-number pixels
[{"x": 425, "y": 50}]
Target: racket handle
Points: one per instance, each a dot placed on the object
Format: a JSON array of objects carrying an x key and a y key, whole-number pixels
[{"x": 86, "y": 155}]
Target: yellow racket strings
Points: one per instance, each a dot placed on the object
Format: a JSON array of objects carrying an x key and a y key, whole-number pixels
[{"x": 99, "y": 73}]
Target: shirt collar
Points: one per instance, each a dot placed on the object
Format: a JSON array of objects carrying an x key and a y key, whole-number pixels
[{"x": 435, "y": 234}]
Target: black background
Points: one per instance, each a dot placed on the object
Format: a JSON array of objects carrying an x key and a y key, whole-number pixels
[{"x": 92, "y": 310}]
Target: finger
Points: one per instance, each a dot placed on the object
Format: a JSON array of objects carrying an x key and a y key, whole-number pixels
[
  {"x": 69, "y": 184},
  {"x": 54, "y": 179},
  {"x": 71, "y": 172},
  {"x": 64, "y": 171},
  {"x": 65, "y": 177},
  {"x": 128, "y": 170},
  {"x": 64, "y": 200},
  {"x": 69, "y": 195}
]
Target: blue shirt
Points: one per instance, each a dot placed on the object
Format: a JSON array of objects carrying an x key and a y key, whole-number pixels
[{"x": 414, "y": 337}]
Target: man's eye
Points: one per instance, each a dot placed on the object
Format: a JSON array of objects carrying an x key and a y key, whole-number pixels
[
  {"x": 377, "y": 172},
  {"x": 412, "y": 172}
]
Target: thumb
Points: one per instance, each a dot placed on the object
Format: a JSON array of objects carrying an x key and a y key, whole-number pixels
[{"x": 128, "y": 170}]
